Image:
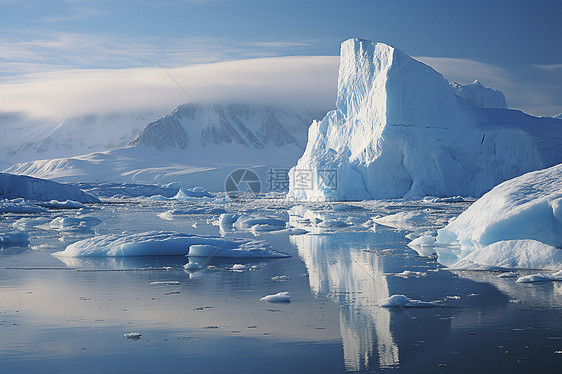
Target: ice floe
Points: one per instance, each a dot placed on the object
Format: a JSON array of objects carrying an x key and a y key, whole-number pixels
[
  {"x": 280, "y": 297},
  {"x": 161, "y": 243}
]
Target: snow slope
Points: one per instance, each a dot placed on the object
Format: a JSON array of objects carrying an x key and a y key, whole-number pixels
[
  {"x": 18, "y": 186},
  {"x": 29, "y": 139},
  {"x": 518, "y": 224},
  {"x": 198, "y": 146},
  {"x": 401, "y": 130},
  {"x": 249, "y": 126}
]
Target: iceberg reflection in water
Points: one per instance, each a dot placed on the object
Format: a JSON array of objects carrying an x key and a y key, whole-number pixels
[{"x": 356, "y": 279}]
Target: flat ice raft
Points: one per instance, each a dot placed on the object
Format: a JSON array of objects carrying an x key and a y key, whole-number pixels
[{"x": 161, "y": 243}]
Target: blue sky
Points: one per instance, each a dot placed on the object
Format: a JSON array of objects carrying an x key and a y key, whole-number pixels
[{"x": 514, "y": 44}]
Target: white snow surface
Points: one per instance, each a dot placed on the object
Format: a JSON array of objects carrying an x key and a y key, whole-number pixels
[
  {"x": 401, "y": 130},
  {"x": 19, "y": 186},
  {"x": 518, "y": 224},
  {"x": 161, "y": 243}
]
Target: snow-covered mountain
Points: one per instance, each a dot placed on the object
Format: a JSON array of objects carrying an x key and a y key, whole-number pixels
[
  {"x": 195, "y": 145},
  {"x": 480, "y": 96},
  {"x": 28, "y": 139},
  {"x": 401, "y": 130},
  {"x": 249, "y": 126}
]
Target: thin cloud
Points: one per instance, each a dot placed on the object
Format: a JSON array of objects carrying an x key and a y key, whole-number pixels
[{"x": 301, "y": 82}]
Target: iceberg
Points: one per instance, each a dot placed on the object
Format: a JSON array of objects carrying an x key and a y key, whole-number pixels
[
  {"x": 19, "y": 186},
  {"x": 518, "y": 224},
  {"x": 400, "y": 129}
]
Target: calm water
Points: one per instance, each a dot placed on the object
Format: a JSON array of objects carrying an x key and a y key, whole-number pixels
[{"x": 71, "y": 316}]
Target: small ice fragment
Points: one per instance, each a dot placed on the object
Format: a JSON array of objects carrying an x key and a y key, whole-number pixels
[
  {"x": 280, "y": 297},
  {"x": 166, "y": 283},
  {"x": 239, "y": 267},
  {"x": 410, "y": 274},
  {"x": 538, "y": 277},
  {"x": 403, "y": 301},
  {"x": 509, "y": 274},
  {"x": 280, "y": 278},
  {"x": 132, "y": 335}
]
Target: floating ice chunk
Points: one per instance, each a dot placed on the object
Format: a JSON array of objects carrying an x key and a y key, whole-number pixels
[
  {"x": 280, "y": 297},
  {"x": 12, "y": 186},
  {"x": 142, "y": 244},
  {"x": 13, "y": 238},
  {"x": 197, "y": 192},
  {"x": 540, "y": 277},
  {"x": 280, "y": 278},
  {"x": 132, "y": 335},
  {"x": 424, "y": 245},
  {"x": 250, "y": 249},
  {"x": 158, "y": 198},
  {"x": 410, "y": 221},
  {"x": 68, "y": 204},
  {"x": 20, "y": 207},
  {"x": 29, "y": 223},
  {"x": 248, "y": 222},
  {"x": 509, "y": 274},
  {"x": 506, "y": 254},
  {"x": 166, "y": 283},
  {"x": 173, "y": 214},
  {"x": 403, "y": 301},
  {"x": 410, "y": 274},
  {"x": 304, "y": 218},
  {"x": 450, "y": 199},
  {"x": 526, "y": 207},
  {"x": 154, "y": 243},
  {"x": 239, "y": 267},
  {"x": 74, "y": 223}
]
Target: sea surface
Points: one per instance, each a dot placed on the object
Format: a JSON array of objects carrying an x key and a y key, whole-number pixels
[{"x": 69, "y": 315}]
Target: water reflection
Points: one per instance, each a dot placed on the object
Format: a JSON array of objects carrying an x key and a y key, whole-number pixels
[{"x": 354, "y": 278}]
